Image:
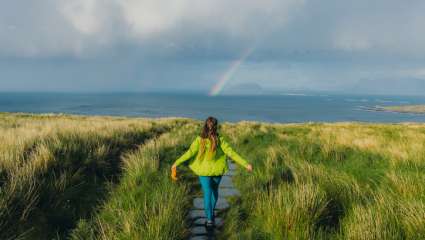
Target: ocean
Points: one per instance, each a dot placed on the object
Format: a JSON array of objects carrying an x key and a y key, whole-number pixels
[{"x": 289, "y": 108}]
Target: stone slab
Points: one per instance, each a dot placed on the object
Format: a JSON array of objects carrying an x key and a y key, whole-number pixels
[
  {"x": 198, "y": 203},
  {"x": 202, "y": 231},
  {"x": 198, "y": 213},
  {"x": 230, "y": 173},
  {"x": 232, "y": 166},
  {"x": 201, "y": 221},
  {"x": 198, "y": 230},
  {"x": 226, "y": 182},
  {"x": 201, "y": 237},
  {"x": 228, "y": 192}
]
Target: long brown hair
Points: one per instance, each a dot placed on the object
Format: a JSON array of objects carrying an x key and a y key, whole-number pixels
[{"x": 209, "y": 131}]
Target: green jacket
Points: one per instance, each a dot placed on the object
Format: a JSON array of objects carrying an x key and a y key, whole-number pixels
[{"x": 207, "y": 165}]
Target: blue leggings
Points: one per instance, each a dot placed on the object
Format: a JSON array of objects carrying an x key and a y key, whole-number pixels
[{"x": 210, "y": 188}]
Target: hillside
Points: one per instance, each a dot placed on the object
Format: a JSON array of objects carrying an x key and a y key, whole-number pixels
[{"x": 75, "y": 177}]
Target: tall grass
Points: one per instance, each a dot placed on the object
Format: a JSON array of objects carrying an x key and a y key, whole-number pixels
[
  {"x": 108, "y": 178},
  {"x": 55, "y": 170},
  {"x": 146, "y": 204},
  {"x": 329, "y": 181}
]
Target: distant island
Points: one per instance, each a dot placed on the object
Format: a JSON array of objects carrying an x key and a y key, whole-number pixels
[{"x": 419, "y": 109}]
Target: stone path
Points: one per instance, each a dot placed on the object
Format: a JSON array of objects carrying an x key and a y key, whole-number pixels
[{"x": 197, "y": 214}]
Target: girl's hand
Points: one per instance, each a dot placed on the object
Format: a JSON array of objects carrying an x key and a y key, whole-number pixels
[
  {"x": 174, "y": 172},
  {"x": 249, "y": 168}
]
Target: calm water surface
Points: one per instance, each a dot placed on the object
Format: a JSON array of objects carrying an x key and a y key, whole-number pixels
[{"x": 279, "y": 108}]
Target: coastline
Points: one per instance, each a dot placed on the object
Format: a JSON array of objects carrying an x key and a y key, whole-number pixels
[
  {"x": 410, "y": 109},
  {"x": 113, "y": 118}
]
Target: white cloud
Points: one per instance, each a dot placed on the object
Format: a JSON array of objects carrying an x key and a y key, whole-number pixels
[
  {"x": 83, "y": 15},
  {"x": 392, "y": 27},
  {"x": 145, "y": 18},
  {"x": 80, "y": 27},
  {"x": 73, "y": 26}
]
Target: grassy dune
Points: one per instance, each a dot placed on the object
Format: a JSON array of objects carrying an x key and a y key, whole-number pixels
[
  {"x": 73, "y": 177},
  {"x": 146, "y": 204},
  {"x": 55, "y": 170},
  {"x": 330, "y": 181}
]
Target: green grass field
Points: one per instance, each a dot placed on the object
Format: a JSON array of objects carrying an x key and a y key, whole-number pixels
[
  {"x": 75, "y": 177},
  {"x": 330, "y": 181}
]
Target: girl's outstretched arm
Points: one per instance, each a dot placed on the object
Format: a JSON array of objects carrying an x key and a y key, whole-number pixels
[
  {"x": 233, "y": 155},
  {"x": 193, "y": 149}
]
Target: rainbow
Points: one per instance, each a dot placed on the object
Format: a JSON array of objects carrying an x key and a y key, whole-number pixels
[{"x": 227, "y": 75}]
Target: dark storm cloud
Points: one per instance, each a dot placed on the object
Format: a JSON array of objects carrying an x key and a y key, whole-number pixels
[{"x": 127, "y": 44}]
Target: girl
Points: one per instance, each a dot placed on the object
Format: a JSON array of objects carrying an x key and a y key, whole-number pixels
[{"x": 210, "y": 163}]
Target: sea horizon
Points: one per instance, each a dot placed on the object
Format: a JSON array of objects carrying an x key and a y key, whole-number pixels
[{"x": 286, "y": 107}]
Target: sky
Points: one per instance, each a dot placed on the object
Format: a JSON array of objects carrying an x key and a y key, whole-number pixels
[{"x": 362, "y": 46}]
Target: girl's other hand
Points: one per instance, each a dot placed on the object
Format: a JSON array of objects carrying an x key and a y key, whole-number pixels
[
  {"x": 174, "y": 172},
  {"x": 249, "y": 168}
]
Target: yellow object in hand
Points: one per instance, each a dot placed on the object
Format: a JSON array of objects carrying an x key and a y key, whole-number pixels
[{"x": 174, "y": 173}]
